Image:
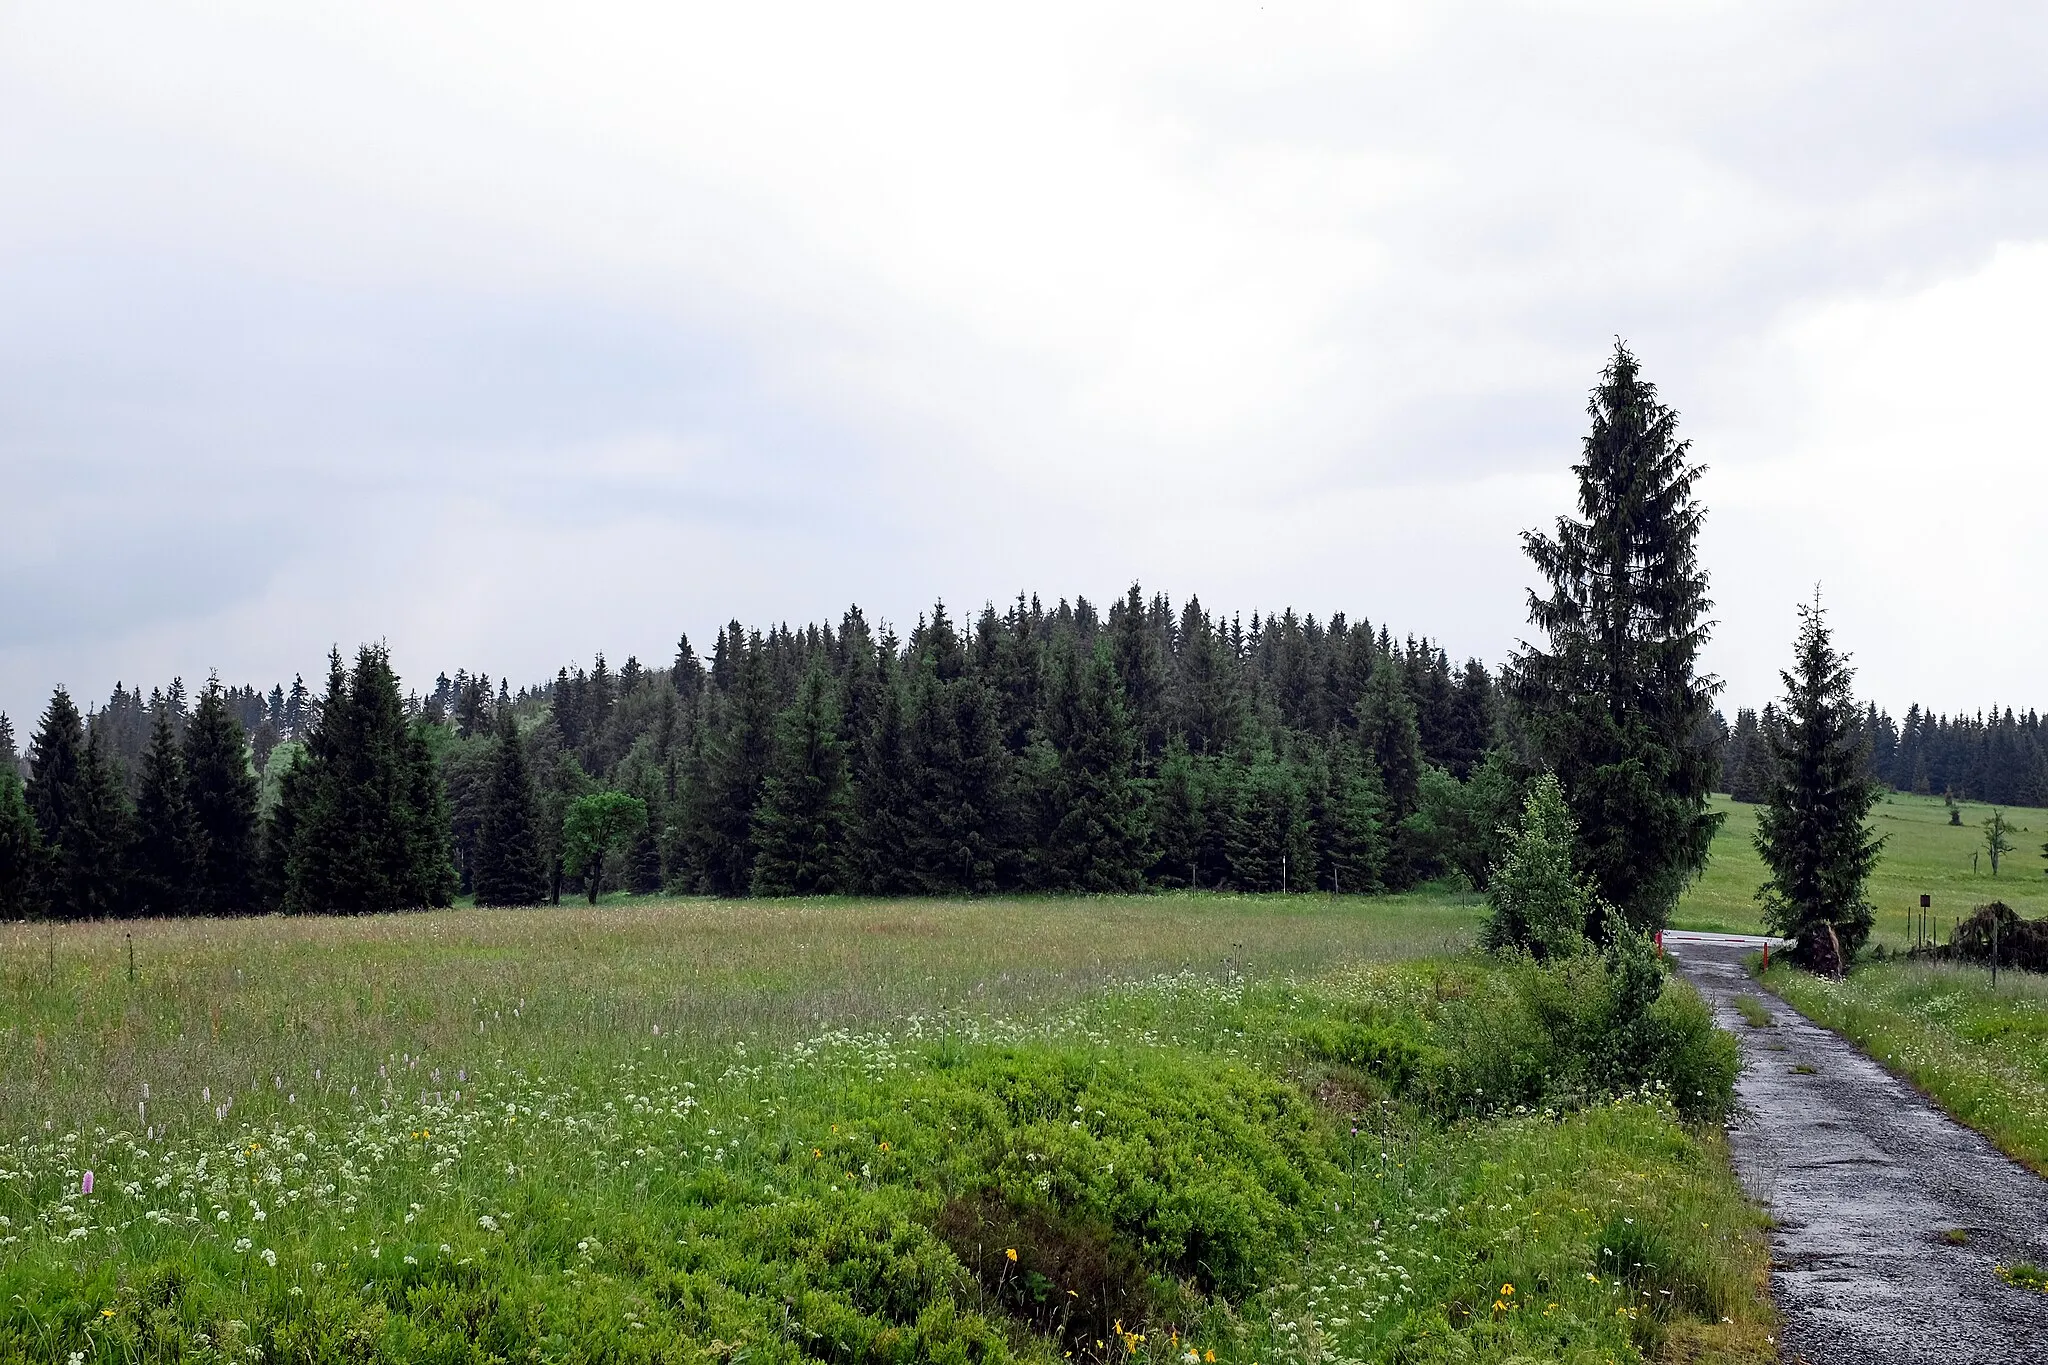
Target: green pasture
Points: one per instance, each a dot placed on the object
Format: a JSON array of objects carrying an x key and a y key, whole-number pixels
[
  {"x": 1158, "y": 1130},
  {"x": 1923, "y": 854}
]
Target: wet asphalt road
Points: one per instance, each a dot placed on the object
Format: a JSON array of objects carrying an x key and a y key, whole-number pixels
[{"x": 1863, "y": 1177}]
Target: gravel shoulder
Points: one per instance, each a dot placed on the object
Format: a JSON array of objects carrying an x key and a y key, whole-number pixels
[{"x": 1890, "y": 1216}]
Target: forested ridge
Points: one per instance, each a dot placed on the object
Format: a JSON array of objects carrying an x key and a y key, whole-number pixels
[{"x": 1052, "y": 748}]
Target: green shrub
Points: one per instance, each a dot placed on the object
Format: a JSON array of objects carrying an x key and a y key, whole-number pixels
[
  {"x": 1382, "y": 1053},
  {"x": 1561, "y": 1032}
]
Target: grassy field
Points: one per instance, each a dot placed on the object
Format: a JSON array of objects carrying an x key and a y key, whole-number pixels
[
  {"x": 1163, "y": 1129},
  {"x": 1923, "y": 854}
]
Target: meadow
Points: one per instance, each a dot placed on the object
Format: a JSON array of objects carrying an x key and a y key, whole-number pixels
[
  {"x": 1182, "y": 1128},
  {"x": 1923, "y": 854}
]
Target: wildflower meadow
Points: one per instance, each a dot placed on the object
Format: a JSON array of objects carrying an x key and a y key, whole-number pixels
[{"x": 1185, "y": 1129}]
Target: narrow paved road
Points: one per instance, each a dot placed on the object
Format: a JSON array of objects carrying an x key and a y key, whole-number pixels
[{"x": 1864, "y": 1178}]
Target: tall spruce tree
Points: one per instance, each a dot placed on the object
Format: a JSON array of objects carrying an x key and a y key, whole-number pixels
[
  {"x": 1614, "y": 705},
  {"x": 1093, "y": 833},
  {"x": 1811, "y": 831},
  {"x": 222, "y": 791},
  {"x": 801, "y": 825},
  {"x": 509, "y": 869},
  {"x": 959, "y": 768},
  {"x": 53, "y": 761},
  {"x": 10, "y": 757},
  {"x": 1390, "y": 737},
  {"x": 1270, "y": 843},
  {"x": 882, "y": 797},
  {"x": 370, "y": 820},
  {"x": 737, "y": 765},
  {"x": 164, "y": 873},
  {"x": 1354, "y": 835},
  {"x": 23, "y": 856},
  {"x": 97, "y": 847},
  {"x": 74, "y": 794}
]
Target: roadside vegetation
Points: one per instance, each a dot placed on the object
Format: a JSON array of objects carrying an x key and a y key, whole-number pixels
[
  {"x": 1981, "y": 1053},
  {"x": 1126, "y": 1129}
]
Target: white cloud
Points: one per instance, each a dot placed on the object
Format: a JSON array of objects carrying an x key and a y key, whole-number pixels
[{"x": 514, "y": 332}]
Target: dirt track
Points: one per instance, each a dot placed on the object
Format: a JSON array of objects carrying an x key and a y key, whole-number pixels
[{"x": 1863, "y": 1177}]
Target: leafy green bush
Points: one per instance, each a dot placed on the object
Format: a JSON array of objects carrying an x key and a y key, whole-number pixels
[
  {"x": 1381, "y": 1052},
  {"x": 1555, "y": 1033}
]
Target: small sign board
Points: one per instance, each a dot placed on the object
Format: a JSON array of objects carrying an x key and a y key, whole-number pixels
[{"x": 1926, "y": 901}]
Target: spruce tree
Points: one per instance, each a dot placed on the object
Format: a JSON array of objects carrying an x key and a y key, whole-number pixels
[
  {"x": 1178, "y": 808},
  {"x": 222, "y": 792},
  {"x": 1355, "y": 835},
  {"x": 54, "y": 757},
  {"x": 369, "y": 818},
  {"x": 800, "y": 828},
  {"x": 1094, "y": 835},
  {"x": 1614, "y": 705},
  {"x": 959, "y": 768},
  {"x": 23, "y": 856},
  {"x": 1390, "y": 737},
  {"x": 1811, "y": 832},
  {"x": 1270, "y": 843},
  {"x": 164, "y": 873},
  {"x": 737, "y": 765},
  {"x": 883, "y": 796},
  {"x": 97, "y": 846},
  {"x": 74, "y": 794},
  {"x": 10, "y": 757},
  {"x": 508, "y": 868},
  {"x": 1537, "y": 900},
  {"x": 644, "y": 870}
]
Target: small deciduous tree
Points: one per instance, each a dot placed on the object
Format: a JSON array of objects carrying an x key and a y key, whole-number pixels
[
  {"x": 595, "y": 827},
  {"x": 1997, "y": 838}
]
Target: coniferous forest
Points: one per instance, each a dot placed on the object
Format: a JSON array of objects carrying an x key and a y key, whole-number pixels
[{"x": 1045, "y": 748}]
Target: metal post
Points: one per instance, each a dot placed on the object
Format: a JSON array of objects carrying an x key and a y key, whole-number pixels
[
  {"x": 1994, "y": 950},
  {"x": 131, "y": 957},
  {"x": 1283, "y": 874}
]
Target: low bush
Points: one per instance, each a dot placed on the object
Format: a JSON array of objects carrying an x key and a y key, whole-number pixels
[{"x": 1573, "y": 1029}]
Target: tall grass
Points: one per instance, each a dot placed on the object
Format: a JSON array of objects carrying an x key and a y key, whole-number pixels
[
  {"x": 255, "y": 1008},
  {"x": 847, "y": 1132}
]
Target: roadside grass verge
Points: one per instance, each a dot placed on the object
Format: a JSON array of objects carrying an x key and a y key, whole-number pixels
[
  {"x": 1320, "y": 1165},
  {"x": 1981, "y": 1054}
]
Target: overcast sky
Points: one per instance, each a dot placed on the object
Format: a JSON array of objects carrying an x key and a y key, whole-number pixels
[{"x": 510, "y": 333}]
